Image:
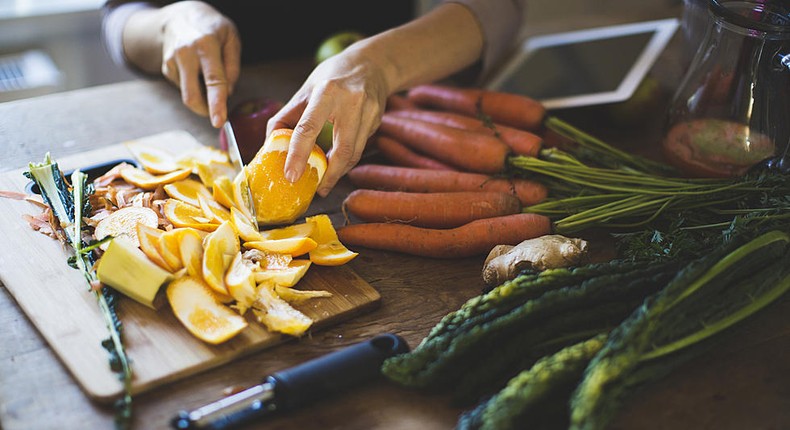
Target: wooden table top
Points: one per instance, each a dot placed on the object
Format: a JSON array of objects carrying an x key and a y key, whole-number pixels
[{"x": 740, "y": 383}]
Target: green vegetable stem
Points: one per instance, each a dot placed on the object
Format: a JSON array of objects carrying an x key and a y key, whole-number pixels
[{"x": 68, "y": 204}]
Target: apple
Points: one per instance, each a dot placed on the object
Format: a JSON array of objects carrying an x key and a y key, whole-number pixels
[
  {"x": 336, "y": 43},
  {"x": 249, "y": 119},
  {"x": 324, "y": 139}
]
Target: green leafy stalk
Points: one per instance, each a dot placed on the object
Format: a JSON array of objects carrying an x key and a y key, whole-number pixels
[
  {"x": 529, "y": 395},
  {"x": 595, "y": 149},
  {"x": 69, "y": 204},
  {"x": 713, "y": 293},
  {"x": 627, "y": 199}
]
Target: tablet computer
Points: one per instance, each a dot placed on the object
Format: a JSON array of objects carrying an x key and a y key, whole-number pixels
[{"x": 586, "y": 67}]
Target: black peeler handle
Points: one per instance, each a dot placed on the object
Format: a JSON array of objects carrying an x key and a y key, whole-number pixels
[
  {"x": 334, "y": 372},
  {"x": 297, "y": 386}
]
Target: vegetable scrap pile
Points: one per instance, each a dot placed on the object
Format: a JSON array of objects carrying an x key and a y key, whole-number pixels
[
  {"x": 562, "y": 347},
  {"x": 178, "y": 229}
]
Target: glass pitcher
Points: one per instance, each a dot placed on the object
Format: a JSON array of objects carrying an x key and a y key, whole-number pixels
[{"x": 732, "y": 108}]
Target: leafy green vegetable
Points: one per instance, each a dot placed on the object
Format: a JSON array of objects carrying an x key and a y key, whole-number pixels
[
  {"x": 516, "y": 330},
  {"x": 69, "y": 204},
  {"x": 526, "y": 398},
  {"x": 710, "y": 295}
]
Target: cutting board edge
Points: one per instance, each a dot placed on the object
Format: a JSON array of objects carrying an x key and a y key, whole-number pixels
[{"x": 100, "y": 396}]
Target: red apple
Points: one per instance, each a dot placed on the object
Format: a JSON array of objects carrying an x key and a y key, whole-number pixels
[{"x": 249, "y": 119}]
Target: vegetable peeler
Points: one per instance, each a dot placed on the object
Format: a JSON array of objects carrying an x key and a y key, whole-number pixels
[{"x": 297, "y": 386}]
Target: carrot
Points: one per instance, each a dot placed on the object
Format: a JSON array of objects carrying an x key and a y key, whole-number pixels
[
  {"x": 514, "y": 110},
  {"x": 398, "y": 178},
  {"x": 397, "y": 102},
  {"x": 521, "y": 142},
  {"x": 433, "y": 210},
  {"x": 401, "y": 155},
  {"x": 466, "y": 150},
  {"x": 471, "y": 239}
]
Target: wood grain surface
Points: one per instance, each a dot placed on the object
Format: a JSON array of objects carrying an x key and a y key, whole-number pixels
[{"x": 57, "y": 300}]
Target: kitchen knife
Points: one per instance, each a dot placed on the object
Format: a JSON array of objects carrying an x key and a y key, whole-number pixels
[
  {"x": 291, "y": 388},
  {"x": 235, "y": 158}
]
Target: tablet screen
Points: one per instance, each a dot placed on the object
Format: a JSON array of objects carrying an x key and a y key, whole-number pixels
[{"x": 587, "y": 67}]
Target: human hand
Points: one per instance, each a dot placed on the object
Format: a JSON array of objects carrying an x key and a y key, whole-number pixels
[
  {"x": 199, "y": 42},
  {"x": 350, "y": 91}
]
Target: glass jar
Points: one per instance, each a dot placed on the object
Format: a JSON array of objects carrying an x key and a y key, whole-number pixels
[{"x": 732, "y": 110}]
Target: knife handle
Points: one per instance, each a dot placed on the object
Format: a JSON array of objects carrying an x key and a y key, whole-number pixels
[{"x": 334, "y": 372}]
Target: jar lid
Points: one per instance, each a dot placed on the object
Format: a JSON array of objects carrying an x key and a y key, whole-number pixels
[{"x": 763, "y": 15}]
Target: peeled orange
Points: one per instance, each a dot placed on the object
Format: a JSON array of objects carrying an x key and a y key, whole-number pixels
[{"x": 276, "y": 199}]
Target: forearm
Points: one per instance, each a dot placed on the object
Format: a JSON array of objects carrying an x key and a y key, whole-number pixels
[
  {"x": 142, "y": 39},
  {"x": 438, "y": 44},
  {"x": 115, "y": 16}
]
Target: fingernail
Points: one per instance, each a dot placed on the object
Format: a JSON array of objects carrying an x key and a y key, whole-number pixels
[
  {"x": 322, "y": 192},
  {"x": 291, "y": 175}
]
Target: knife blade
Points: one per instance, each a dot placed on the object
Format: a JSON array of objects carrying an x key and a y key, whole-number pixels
[
  {"x": 235, "y": 158},
  {"x": 291, "y": 388}
]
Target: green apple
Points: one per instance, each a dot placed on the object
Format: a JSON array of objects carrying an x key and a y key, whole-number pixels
[
  {"x": 324, "y": 139},
  {"x": 336, "y": 43}
]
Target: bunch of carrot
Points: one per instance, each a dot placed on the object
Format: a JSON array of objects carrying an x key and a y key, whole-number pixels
[{"x": 446, "y": 192}]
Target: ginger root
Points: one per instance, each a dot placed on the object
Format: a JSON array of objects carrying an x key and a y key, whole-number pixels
[{"x": 505, "y": 262}]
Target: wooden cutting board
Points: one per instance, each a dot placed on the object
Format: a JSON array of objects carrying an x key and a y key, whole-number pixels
[{"x": 56, "y": 298}]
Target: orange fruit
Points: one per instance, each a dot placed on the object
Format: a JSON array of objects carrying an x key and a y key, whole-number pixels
[
  {"x": 199, "y": 310},
  {"x": 304, "y": 229},
  {"x": 219, "y": 248},
  {"x": 185, "y": 215},
  {"x": 213, "y": 210},
  {"x": 240, "y": 282},
  {"x": 149, "y": 244},
  {"x": 148, "y": 181},
  {"x": 169, "y": 248},
  {"x": 273, "y": 260},
  {"x": 286, "y": 277},
  {"x": 277, "y": 315},
  {"x": 276, "y": 199},
  {"x": 201, "y": 155},
  {"x": 210, "y": 171},
  {"x": 188, "y": 191},
  {"x": 190, "y": 248},
  {"x": 244, "y": 227},
  {"x": 295, "y": 246},
  {"x": 222, "y": 191},
  {"x": 153, "y": 159},
  {"x": 292, "y": 295},
  {"x": 241, "y": 198},
  {"x": 329, "y": 251}
]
